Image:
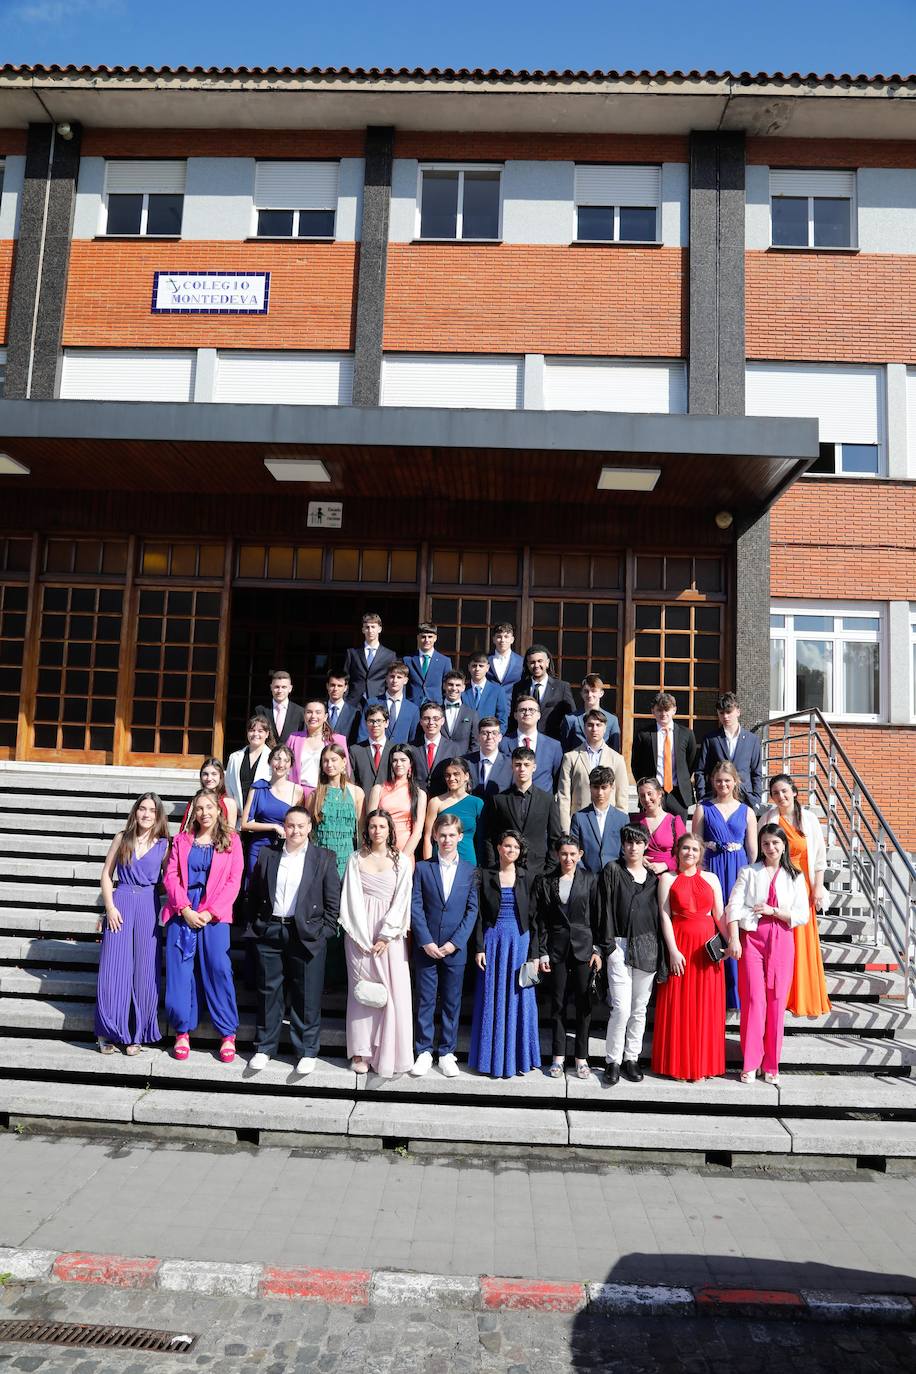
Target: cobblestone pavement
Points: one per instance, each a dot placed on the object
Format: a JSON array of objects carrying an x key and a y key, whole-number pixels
[{"x": 271, "y": 1337}]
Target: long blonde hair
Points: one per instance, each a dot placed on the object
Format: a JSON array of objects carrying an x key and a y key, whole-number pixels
[
  {"x": 321, "y": 790},
  {"x": 222, "y": 831},
  {"x": 159, "y": 831}
]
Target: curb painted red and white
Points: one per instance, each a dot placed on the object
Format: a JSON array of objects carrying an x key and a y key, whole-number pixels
[{"x": 483, "y": 1293}]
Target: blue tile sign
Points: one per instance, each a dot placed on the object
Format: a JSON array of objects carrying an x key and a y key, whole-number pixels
[{"x": 210, "y": 293}]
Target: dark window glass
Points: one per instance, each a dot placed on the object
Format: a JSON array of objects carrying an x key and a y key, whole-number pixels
[
  {"x": 637, "y": 223},
  {"x": 790, "y": 221},
  {"x": 480, "y": 212},
  {"x": 316, "y": 224},
  {"x": 124, "y": 214},
  {"x": 860, "y": 458},
  {"x": 831, "y": 222},
  {"x": 595, "y": 222},
  {"x": 439, "y": 210},
  {"x": 163, "y": 215},
  {"x": 826, "y": 460},
  {"x": 275, "y": 224}
]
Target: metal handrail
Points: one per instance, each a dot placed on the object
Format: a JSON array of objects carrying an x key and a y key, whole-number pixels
[{"x": 880, "y": 868}]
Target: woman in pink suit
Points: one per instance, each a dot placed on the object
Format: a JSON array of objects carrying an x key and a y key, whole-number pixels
[
  {"x": 306, "y": 746},
  {"x": 202, "y": 880}
]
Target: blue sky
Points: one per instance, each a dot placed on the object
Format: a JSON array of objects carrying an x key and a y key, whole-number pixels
[{"x": 778, "y": 35}]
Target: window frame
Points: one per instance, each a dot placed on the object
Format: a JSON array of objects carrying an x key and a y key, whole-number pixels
[
  {"x": 461, "y": 168},
  {"x": 144, "y": 206},
  {"x": 810, "y": 246},
  {"x": 295, "y": 211},
  {"x": 838, "y": 471},
  {"x": 788, "y": 636},
  {"x": 615, "y": 210}
]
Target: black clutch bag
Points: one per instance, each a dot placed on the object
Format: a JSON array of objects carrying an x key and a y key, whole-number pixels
[{"x": 717, "y": 948}]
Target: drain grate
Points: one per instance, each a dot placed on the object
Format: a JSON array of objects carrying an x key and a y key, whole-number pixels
[{"x": 96, "y": 1337}]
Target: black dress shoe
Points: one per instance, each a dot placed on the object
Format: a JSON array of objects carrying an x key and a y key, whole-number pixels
[
  {"x": 631, "y": 1071},
  {"x": 612, "y": 1074}
]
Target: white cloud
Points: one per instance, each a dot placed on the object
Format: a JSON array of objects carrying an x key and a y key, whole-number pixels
[{"x": 57, "y": 11}]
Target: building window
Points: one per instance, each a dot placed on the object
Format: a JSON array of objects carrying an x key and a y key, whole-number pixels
[
  {"x": 618, "y": 204},
  {"x": 913, "y": 664},
  {"x": 143, "y": 199},
  {"x": 826, "y": 657},
  {"x": 812, "y": 209},
  {"x": 459, "y": 203},
  {"x": 295, "y": 199},
  {"x": 847, "y": 401}
]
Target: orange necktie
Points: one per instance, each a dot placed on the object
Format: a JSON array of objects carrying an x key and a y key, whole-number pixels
[{"x": 667, "y": 778}]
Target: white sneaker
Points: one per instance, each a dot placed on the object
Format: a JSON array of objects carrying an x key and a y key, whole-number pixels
[
  {"x": 305, "y": 1066},
  {"x": 257, "y": 1062},
  {"x": 423, "y": 1065},
  {"x": 448, "y": 1065}
]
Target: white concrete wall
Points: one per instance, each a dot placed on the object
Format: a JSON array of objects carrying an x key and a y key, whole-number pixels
[
  {"x": 11, "y": 201},
  {"x": 402, "y": 222},
  {"x": 538, "y": 202},
  {"x": 757, "y": 207},
  {"x": 89, "y": 188},
  {"x": 675, "y": 204},
  {"x": 218, "y": 198},
  {"x": 887, "y": 209}
]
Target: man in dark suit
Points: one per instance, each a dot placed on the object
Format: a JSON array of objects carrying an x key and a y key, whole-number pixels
[
  {"x": 286, "y": 717},
  {"x": 668, "y": 752},
  {"x": 366, "y": 667},
  {"x": 294, "y": 899},
  {"x": 403, "y": 716},
  {"x": 505, "y": 665},
  {"x": 369, "y": 760},
  {"x": 525, "y": 808},
  {"x": 432, "y": 750},
  {"x": 426, "y": 667},
  {"x": 596, "y": 828},
  {"x": 490, "y": 768},
  {"x": 460, "y": 723},
  {"x": 554, "y": 696},
  {"x": 731, "y": 742},
  {"x": 486, "y": 698},
  {"x": 548, "y": 752},
  {"x": 442, "y": 916},
  {"x": 343, "y": 719},
  {"x": 572, "y": 731}
]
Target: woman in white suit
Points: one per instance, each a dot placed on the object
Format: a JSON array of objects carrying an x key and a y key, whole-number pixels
[{"x": 250, "y": 764}]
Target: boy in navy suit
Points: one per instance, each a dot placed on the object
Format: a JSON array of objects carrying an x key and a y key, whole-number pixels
[
  {"x": 403, "y": 716},
  {"x": 506, "y": 666},
  {"x": 731, "y": 741},
  {"x": 486, "y": 698},
  {"x": 343, "y": 719},
  {"x": 426, "y": 667},
  {"x": 366, "y": 667},
  {"x": 442, "y": 916}
]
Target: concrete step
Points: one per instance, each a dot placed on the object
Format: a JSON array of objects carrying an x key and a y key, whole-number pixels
[
  {"x": 846, "y": 1092},
  {"x": 842, "y": 928},
  {"x": 703, "y": 1134},
  {"x": 61, "y": 846},
  {"x": 43, "y": 869},
  {"x": 77, "y": 804},
  {"x": 68, "y": 1101},
  {"x": 35, "y": 823},
  {"x": 86, "y": 780},
  {"x": 47, "y": 952},
  {"x": 33, "y": 920},
  {"x": 431, "y": 1121},
  {"x": 842, "y": 986},
  {"x": 845, "y": 956},
  {"x": 313, "y": 1116},
  {"x": 864, "y": 1139},
  {"x": 51, "y": 896}
]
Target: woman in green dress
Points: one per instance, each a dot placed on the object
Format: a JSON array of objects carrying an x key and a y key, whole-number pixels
[
  {"x": 457, "y": 800},
  {"x": 336, "y": 807}
]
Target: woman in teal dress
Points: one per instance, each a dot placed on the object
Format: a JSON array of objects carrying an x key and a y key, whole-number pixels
[
  {"x": 336, "y": 807},
  {"x": 458, "y": 801}
]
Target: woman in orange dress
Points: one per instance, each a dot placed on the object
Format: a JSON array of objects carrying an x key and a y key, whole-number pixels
[
  {"x": 404, "y": 801},
  {"x": 807, "y": 851},
  {"x": 688, "y": 1041}
]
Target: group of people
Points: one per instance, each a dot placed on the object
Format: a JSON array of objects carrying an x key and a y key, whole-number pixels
[{"x": 416, "y": 831}]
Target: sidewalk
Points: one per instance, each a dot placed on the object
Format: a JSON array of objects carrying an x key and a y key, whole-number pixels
[{"x": 586, "y": 1223}]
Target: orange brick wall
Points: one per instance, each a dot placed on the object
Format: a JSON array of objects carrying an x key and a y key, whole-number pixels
[
  {"x": 12, "y": 141},
  {"x": 223, "y": 143},
  {"x": 839, "y": 538},
  {"x": 312, "y": 293},
  {"x": 7, "y": 247},
  {"x": 835, "y": 308},
  {"x": 497, "y": 147},
  {"x": 517, "y": 298},
  {"x": 886, "y": 757},
  {"x": 831, "y": 152}
]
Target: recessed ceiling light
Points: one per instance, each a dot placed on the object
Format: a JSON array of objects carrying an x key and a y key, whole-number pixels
[
  {"x": 297, "y": 469},
  {"x": 628, "y": 479},
  {"x": 13, "y": 467}
]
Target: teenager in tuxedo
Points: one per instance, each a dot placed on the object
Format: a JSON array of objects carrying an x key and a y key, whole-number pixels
[
  {"x": 572, "y": 731},
  {"x": 731, "y": 743},
  {"x": 505, "y": 665},
  {"x": 432, "y": 749},
  {"x": 403, "y": 716},
  {"x": 366, "y": 667},
  {"x": 426, "y": 667},
  {"x": 490, "y": 768},
  {"x": 285, "y": 716},
  {"x": 575, "y": 770},
  {"x": 369, "y": 760},
  {"x": 460, "y": 723},
  {"x": 598, "y": 826},
  {"x": 525, "y": 808},
  {"x": 343, "y": 719},
  {"x": 554, "y": 696},
  {"x": 527, "y": 732},
  {"x": 443, "y": 915},
  {"x": 294, "y": 899},
  {"x": 486, "y": 698},
  {"x": 669, "y": 753}
]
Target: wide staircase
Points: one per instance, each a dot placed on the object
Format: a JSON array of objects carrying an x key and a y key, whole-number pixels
[{"x": 847, "y": 1093}]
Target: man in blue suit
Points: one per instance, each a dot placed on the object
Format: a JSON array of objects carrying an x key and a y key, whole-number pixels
[
  {"x": 443, "y": 914},
  {"x": 506, "y": 666},
  {"x": 490, "y": 768},
  {"x": 547, "y": 752},
  {"x": 343, "y": 719},
  {"x": 596, "y": 828},
  {"x": 486, "y": 698},
  {"x": 731, "y": 742},
  {"x": 403, "y": 716},
  {"x": 572, "y": 731},
  {"x": 426, "y": 667}
]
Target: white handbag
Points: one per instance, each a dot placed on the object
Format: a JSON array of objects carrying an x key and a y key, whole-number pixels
[{"x": 369, "y": 993}]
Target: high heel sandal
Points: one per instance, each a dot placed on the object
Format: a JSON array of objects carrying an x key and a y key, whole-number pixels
[
  {"x": 749, "y": 1075},
  {"x": 106, "y": 1047},
  {"x": 182, "y": 1046},
  {"x": 772, "y": 1079},
  {"x": 227, "y": 1049},
  {"x": 132, "y": 1049}
]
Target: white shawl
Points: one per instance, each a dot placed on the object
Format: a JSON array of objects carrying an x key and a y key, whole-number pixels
[
  {"x": 353, "y": 917},
  {"x": 817, "y": 850}
]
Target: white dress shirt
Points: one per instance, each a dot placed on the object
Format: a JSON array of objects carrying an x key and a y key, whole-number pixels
[
  {"x": 500, "y": 665},
  {"x": 601, "y": 818},
  {"x": 289, "y": 878},
  {"x": 525, "y": 735},
  {"x": 486, "y": 764},
  {"x": 447, "y": 870},
  {"x": 538, "y": 689},
  {"x": 451, "y": 709},
  {"x": 731, "y": 742}
]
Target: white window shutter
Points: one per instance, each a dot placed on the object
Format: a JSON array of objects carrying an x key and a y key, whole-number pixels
[
  {"x": 466, "y": 383},
  {"x": 623, "y": 185},
  {"x": 646, "y": 388},
  {"x": 846, "y": 401},
  {"x": 155, "y": 178},
  {"x": 283, "y": 378},
  {"x": 814, "y": 182},
  {"x": 123, "y": 374},
  {"x": 296, "y": 185}
]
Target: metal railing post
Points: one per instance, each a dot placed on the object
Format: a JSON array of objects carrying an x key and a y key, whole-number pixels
[
  {"x": 832, "y": 820},
  {"x": 880, "y": 893}
]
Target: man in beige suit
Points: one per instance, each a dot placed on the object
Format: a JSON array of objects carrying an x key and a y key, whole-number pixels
[{"x": 573, "y": 791}]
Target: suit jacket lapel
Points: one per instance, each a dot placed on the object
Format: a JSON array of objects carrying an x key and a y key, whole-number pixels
[
  {"x": 308, "y": 868},
  {"x": 438, "y": 876},
  {"x": 273, "y": 863}
]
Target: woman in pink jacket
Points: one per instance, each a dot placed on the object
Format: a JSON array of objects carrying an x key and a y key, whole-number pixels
[{"x": 202, "y": 881}]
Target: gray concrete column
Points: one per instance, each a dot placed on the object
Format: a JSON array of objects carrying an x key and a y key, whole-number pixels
[
  {"x": 716, "y": 276},
  {"x": 373, "y": 265},
  {"x": 752, "y": 621}
]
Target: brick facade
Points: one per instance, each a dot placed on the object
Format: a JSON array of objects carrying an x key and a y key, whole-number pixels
[
  {"x": 839, "y": 538},
  {"x": 831, "y": 152},
  {"x": 886, "y": 758},
  {"x": 499, "y": 147},
  {"x": 266, "y": 143},
  {"x": 7, "y": 248}
]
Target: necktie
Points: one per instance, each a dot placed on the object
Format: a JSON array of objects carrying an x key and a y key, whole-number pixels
[
  {"x": 537, "y": 693},
  {"x": 392, "y": 714},
  {"x": 370, "y": 655},
  {"x": 335, "y": 712},
  {"x": 424, "y": 663},
  {"x": 527, "y": 741},
  {"x": 476, "y": 696},
  {"x": 377, "y": 750},
  {"x": 430, "y": 755},
  {"x": 485, "y": 766},
  {"x": 667, "y": 777}
]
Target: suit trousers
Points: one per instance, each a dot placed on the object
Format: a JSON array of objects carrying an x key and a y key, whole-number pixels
[
  {"x": 285, "y": 964},
  {"x": 629, "y": 990},
  {"x": 764, "y": 978},
  {"x": 565, "y": 974},
  {"x": 437, "y": 980},
  {"x": 205, "y": 977}
]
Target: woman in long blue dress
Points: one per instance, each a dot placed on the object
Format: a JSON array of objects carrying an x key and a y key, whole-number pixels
[
  {"x": 728, "y": 828},
  {"x": 504, "y": 1029},
  {"x": 127, "y": 996},
  {"x": 458, "y": 801},
  {"x": 266, "y": 806}
]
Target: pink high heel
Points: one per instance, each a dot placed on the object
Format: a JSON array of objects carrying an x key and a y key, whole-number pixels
[
  {"x": 227, "y": 1049},
  {"x": 182, "y": 1046}
]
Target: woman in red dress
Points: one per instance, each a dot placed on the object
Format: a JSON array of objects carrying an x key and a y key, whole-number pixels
[{"x": 689, "y": 1037}]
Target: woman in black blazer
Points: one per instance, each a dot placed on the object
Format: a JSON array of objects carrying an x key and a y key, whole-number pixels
[
  {"x": 504, "y": 1029},
  {"x": 572, "y": 940}
]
